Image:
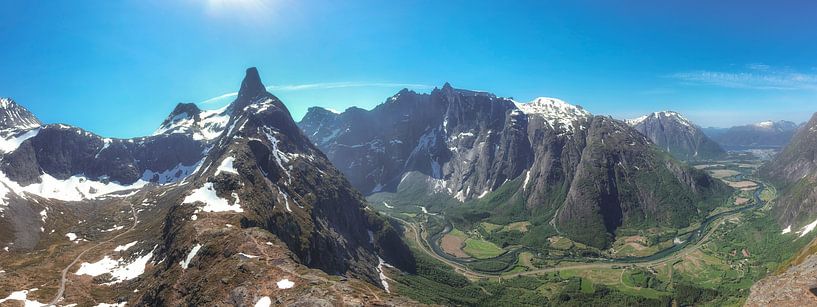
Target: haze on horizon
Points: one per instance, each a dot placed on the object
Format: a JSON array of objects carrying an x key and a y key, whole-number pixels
[{"x": 118, "y": 69}]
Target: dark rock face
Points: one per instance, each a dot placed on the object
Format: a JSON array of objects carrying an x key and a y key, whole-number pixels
[
  {"x": 63, "y": 151},
  {"x": 577, "y": 170},
  {"x": 424, "y": 132},
  {"x": 763, "y": 134},
  {"x": 794, "y": 172},
  {"x": 677, "y": 135}
]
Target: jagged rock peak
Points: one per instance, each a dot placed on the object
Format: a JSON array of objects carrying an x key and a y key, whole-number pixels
[
  {"x": 188, "y": 118},
  {"x": 15, "y": 116},
  {"x": 251, "y": 86},
  {"x": 189, "y": 108}
]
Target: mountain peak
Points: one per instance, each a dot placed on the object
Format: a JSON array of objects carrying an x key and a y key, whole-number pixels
[
  {"x": 15, "y": 116},
  {"x": 189, "y": 108},
  {"x": 556, "y": 111},
  {"x": 659, "y": 115},
  {"x": 5, "y": 102},
  {"x": 251, "y": 86}
]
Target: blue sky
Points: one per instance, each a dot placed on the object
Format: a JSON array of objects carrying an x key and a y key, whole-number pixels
[{"x": 118, "y": 67}]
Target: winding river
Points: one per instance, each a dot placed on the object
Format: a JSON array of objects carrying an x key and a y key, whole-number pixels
[{"x": 692, "y": 238}]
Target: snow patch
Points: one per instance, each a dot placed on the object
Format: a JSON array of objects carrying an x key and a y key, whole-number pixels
[
  {"x": 226, "y": 166},
  {"x": 120, "y": 270},
  {"x": 280, "y": 156},
  {"x": 22, "y": 296},
  {"x": 75, "y": 188},
  {"x": 265, "y": 301},
  {"x": 10, "y": 144},
  {"x": 122, "y": 248},
  {"x": 765, "y": 124},
  {"x": 787, "y": 230},
  {"x": 808, "y": 228},
  {"x": 171, "y": 175},
  {"x": 190, "y": 256},
  {"x": 212, "y": 203},
  {"x": 383, "y": 277},
  {"x": 285, "y": 284},
  {"x": 483, "y": 194}
]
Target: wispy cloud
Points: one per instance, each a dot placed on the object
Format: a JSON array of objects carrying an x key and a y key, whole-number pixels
[
  {"x": 753, "y": 76},
  {"x": 332, "y": 85},
  {"x": 324, "y": 86},
  {"x": 220, "y": 98}
]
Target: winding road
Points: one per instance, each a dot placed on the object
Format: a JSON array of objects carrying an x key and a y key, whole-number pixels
[
  {"x": 694, "y": 241},
  {"x": 64, "y": 276}
]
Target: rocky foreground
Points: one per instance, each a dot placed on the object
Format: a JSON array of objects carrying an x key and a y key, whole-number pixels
[{"x": 793, "y": 288}]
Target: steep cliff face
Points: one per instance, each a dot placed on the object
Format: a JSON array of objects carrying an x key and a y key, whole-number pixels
[
  {"x": 219, "y": 211},
  {"x": 570, "y": 167},
  {"x": 677, "y": 135},
  {"x": 449, "y": 135},
  {"x": 622, "y": 180},
  {"x": 794, "y": 172}
]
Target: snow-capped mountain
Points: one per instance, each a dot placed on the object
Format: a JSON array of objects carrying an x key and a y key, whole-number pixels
[
  {"x": 15, "y": 116},
  {"x": 558, "y": 114},
  {"x": 187, "y": 118},
  {"x": 677, "y": 135},
  {"x": 462, "y": 145},
  {"x": 763, "y": 134},
  {"x": 238, "y": 193}
]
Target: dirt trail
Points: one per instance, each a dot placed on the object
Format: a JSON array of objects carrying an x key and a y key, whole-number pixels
[{"x": 64, "y": 276}]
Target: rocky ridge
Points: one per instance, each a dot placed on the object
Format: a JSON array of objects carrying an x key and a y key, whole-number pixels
[{"x": 254, "y": 213}]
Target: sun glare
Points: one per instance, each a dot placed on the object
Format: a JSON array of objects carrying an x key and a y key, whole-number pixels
[{"x": 254, "y": 7}]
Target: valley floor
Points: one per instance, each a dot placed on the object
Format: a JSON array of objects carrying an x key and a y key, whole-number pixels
[{"x": 715, "y": 261}]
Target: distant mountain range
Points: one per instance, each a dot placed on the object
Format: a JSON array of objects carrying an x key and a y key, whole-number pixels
[
  {"x": 677, "y": 135},
  {"x": 544, "y": 161},
  {"x": 762, "y": 134}
]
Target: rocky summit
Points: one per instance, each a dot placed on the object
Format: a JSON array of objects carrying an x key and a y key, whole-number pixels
[
  {"x": 226, "y": 207},
  {"x": 544, "y": 161}
]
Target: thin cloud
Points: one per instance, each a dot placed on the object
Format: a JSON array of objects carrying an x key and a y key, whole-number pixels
[
  {"x": 332, "y": 85},
  {"x": 755, "y": 76},
  {"x": 221, "y": 97},
  {"x": 323, "y": 86}
]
